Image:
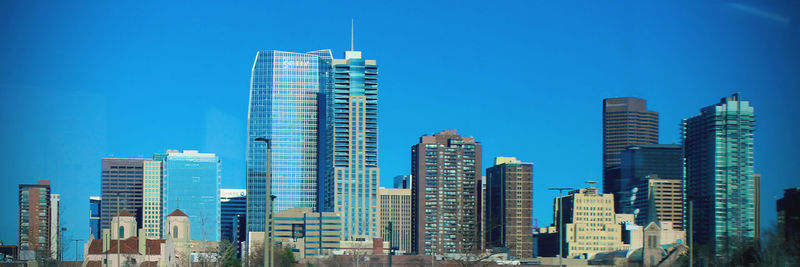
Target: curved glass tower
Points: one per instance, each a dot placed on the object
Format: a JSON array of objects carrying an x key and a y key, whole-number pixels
[{"x": 286, "y": 89}]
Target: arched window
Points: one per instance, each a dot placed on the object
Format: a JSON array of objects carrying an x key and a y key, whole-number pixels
[
  {"x": 175, "y": 231},
  {"x": 121, "y": 232}
]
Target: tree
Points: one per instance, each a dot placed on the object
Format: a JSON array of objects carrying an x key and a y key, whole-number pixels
[{"x": 228, "y": 252}]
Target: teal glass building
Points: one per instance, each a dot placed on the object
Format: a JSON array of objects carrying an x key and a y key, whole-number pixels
[
  {"x": 191, "y": 183},
  {"x": 718, "y": 152},
  {"x": 286, "y": 89},
  {"x": 352, "y": 188}
]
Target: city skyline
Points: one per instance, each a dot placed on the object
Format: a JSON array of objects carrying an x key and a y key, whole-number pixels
[{"x": 66, "y": 146}]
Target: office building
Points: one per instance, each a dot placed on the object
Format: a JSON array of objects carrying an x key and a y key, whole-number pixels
[
  {"x": 626, "y": 121},
  {"x": 640, "y": 163},
  {"x": 446, "y": 194},
  {"x": 55, "y": 226},
  {"x": 718, "y": 148},
  {"x": 395, "y": 207},
  {"x": 352, "y": 188},
  {"x": 589, "y": 225},
  {"x": 402, "y": 181},
  {"x": 757, "y": 199},
  {"x": 309, "y": 233},
  {"x": 95, "y": 204},
  {"x": 233, "y": 204},
  {"x": 509, "y": 206},
  {"x": 665, "y": 196},
  {"x": 191, "y": 183},
  {"x": 151, "y": 198},
  {"x": 286, "y": 89},
  {"x": 789, "y": 215},
  {"x": 121, "y": 188},
  {"x": 35, "y": 219}
]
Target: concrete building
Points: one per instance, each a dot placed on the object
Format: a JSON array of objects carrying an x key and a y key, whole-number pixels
[
  {"x": 509, "y": 206},
  {"x": 191, "y": 181},
  {"x": 55, "y": 226},
  {"x": 151, "y": 198},
  {"x": 286, "y": 91},
  {"x": 95, "y": 203},
  {"x": 667, "y": 198},
  {"x": 233, "y": 204},
  {"x": 351, "y": 190},
  {"x": 626, "y": 121},
  {"x": 395, "y": 207},
  {"x": 309, "y": 233},
  {"x": 718, "y": 147},
  {"x": 35, "y": 220},
  {"x": 402, "y": 181},
  {"x": 446, "y": 194},
  {"x": 121, "y": 188}
]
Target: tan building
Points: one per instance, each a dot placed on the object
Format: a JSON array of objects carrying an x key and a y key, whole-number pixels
[
  {"x": 151, "y": 198},
  {"x": 395, "y": 207},
  {"x": 311, "y": 233},
  {"x": 509, "y": 206},
  {"x": 590, "y": 225},
  {"x": 667, "y": 197}
]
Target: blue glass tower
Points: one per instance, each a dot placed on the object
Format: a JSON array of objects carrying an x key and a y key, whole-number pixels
[
  {"x": 286, "y": 89},
  {"x": 233, "y": 203},
  {"x": 191, "y": 183}
]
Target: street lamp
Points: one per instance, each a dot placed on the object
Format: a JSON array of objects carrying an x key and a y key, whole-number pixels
[
  {"x": 560, "y": 220},
  {"x": 269, "y": 197}
]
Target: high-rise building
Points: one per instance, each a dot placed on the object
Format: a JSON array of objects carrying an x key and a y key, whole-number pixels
[
  {"x": 35, "y": 219},
  {"x": 233, "y": 203},
  {"x": 509, "y": 206},
  {"x": 757, "y": 199},
  {"x": 718, "y": 148},
  {"x": 121, "y": 188},
  {"x": 395, "y": 207},
  {"x": 151, "y": 198},
  {"x": 640, "y": 163},
  {"x": 55, "y": 226},
  {"x": 446, "y": 194},
  {"x": 95, "y": 204},
  {"x": 402, "y": 181},
  {"x": 626, "y": 121},
  {"x": 352, "y": 188},
  {"x": 191, "y": 183},
  {"x": 286, "y": 91},
  {"x": 789, "y": 215},
  {"x": 309, "y": 233}
]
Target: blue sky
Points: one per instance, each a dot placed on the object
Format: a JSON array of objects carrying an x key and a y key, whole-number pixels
[{"x": 82, "y": 81}]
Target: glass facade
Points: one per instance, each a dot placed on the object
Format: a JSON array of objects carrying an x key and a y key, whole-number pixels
[
  {"x": 233, "y": 203},
  {"x": 94, "y": 216},
  {"x": 718, "y": 149},
  {"x": 353, "y": 189},
  {"x": 191, "y": 183},
  {"x": 286, "y": 89},
  {"x": 643, "y": 162}
]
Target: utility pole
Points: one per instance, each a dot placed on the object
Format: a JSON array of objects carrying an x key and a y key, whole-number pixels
[
  {"x": 268, "y": 207},
  {"x": 76, "y": 248},
  {"x": 560, "y": 220},
  {"x": 391, "y": 244},
  {"x": 118, "y": 233}
]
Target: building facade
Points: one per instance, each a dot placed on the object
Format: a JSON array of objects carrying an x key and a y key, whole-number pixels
[
  {"x": 641, "y": 163},
  {"x": 55, "y": 226},
  {"x": 665, "y": 195},
  {"x": 590, "y": 225},
  {"x": 352, "y": 189},
  {"x": 35, "y": 219},
  {"x": 395, "y": 207},
  {"x": 121, "y": 188},
  {"x": 310, "y": 233},
  {"x": 789, "y": 215},
  {"x": 626, "y": 121},
  {"x": 95, "y": 204},
  {"x": 233, "y": 204},
  {"x": 151, "y": 198},
  {"x": 446, "y": 194},
  {"x": 191, "y": 183},
  {"x": 402, "y": 181},
  {"x": 286, "y": 89},
  {"x": 718, "y": 149},
  {"x": 509, "y": 206}
]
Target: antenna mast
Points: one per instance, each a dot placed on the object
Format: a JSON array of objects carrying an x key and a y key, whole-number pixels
[{"x": 352, "y": 23}]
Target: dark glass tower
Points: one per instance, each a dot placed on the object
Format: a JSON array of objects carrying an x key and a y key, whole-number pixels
[
  {"x": 640, "y": 163},
  {"x": 626, "y": 121},
  {"x": 121, "y": 189}
]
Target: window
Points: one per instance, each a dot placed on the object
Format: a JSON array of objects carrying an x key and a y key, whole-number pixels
[
  {"x": 175, "y": 232},
  {"x": 121, "y": 232}
]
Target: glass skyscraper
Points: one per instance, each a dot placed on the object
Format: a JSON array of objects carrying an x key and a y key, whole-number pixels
[
  {"x": 718, "y": 149},
  {"x": 94, "y": 216},
  {"x": 286, "y": 89},
  {"x": 352, "y": 188},
  {"x": 191, "y": 183},
  {"x": 233, "y": 203}
]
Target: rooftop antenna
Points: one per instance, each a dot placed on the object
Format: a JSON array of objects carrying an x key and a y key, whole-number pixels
[
  {"x": 352, "y": 23},
  {"x": 591, "y": 183}
]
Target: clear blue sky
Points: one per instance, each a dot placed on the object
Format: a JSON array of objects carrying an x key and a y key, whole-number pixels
[{"x": 82, "y": 81}]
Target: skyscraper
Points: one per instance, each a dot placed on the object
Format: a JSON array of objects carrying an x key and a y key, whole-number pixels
[
  {"x": 626, "y": 121},
  {"x": 402, "y": 181},
  {"x": 191, "y": 183},
  {"x": 35, "y": 219},
  {"x": 718, "y": 148},
  {"x": 94, "y": 216},
  {"x": 352, "y": 189},
  {"x": 286, "y": 89},
  {"x": 151, "y": 198},
  {"x": 55, "y": 226},
  {"x": 233, "y": 203},
  {"x": 446, "y": 194},
  {"x": 395, "y": 207},
  {"x": 789, "y": 215},
  {"x": 640, "y": 163},
  {"x": 509, "y": 206},
  {"x": 121, "y": 188}
]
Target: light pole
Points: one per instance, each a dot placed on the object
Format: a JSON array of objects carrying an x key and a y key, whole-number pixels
[
  {"x": 76, "y": 247},
  {"x": 560, "y": 216},
  {"x": 268, "y": 207}
]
